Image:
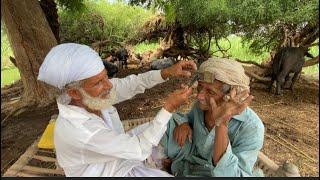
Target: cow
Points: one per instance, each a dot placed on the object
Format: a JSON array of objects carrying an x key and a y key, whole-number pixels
[{"x": 287, "y": 60}]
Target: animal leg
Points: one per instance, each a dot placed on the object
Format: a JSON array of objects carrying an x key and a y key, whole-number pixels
[
  {"x": 271, "y": 83},
  {"x": 280, "y": 82},
  {"x": 294, "y": 79}
]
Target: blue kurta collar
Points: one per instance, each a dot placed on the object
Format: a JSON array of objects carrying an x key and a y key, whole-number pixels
[{"x": 242, "y": 116}]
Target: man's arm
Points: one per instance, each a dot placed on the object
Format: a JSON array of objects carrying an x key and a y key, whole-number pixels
[
  {"x": 221, "y": 142},
  {"x": 239, "y": 159},
  {"x": 131, "y": 85},
  {"x": 183, "y": 129}
]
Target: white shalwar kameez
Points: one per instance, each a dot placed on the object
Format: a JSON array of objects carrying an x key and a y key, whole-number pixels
[{"x": 87, "y": 145}]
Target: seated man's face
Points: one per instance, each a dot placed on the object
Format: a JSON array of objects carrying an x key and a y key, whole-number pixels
[
  {"x": 96, "y": 92},
  {"x": 207, "y": 90}
]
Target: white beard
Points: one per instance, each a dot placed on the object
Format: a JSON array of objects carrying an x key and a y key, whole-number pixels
[{"x": 98, "y": 103}]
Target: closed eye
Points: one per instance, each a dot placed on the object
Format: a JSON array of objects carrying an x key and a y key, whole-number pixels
[{"x": 97, "y": 83}]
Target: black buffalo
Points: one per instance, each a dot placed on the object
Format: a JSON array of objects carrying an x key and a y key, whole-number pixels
[
  {"x": 111, "y": 68},
  {"x": 287, "y": 60},
  {"x": 122, "y": 55}
]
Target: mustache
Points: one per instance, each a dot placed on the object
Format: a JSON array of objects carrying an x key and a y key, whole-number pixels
[{"x": 105, "y": 93}]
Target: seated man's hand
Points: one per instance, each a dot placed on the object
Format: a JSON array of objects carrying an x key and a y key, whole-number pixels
[
  {"x": 181, "y": 133},
  {"x": 230, "y": 107},
  {"x": 177, "y": 98},
  {"x": 180, "y": 69},
  {"x": 166, "y": 164}
]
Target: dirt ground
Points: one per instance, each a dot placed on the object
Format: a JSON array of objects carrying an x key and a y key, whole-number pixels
[{"x": 291, "y": 122}]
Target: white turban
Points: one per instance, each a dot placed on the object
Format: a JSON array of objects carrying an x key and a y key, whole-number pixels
[
  {"x": 69, "y": 62},
  {"x": 228, "y": 71}
]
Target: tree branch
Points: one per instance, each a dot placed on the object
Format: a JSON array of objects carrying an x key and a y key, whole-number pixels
[
  {"x": 257, "y": 77},
  {"x": 314, "y": 44},
  {"x": 311, "y": 62},
  {"x": 13, "y": 60},
  {"x": 253, "y": 62},
  {"x": 310, "y": 38}
]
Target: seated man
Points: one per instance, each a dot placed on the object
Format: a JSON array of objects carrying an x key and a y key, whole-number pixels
[
  {"x": 220, "y": 136},
  {"x": 89, "y": 137}
]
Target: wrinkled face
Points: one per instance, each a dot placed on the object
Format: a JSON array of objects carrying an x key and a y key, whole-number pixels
[
  {"x": 97, "y": 92},
  {"x": 207, "y": 90},
  {"x": 98, "y": 85}
]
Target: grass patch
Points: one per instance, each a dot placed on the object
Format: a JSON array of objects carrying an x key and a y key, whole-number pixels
[
  {"x": 125, "y": 24},
  {"x": 144, "y": 46},
  {"x": 315, "y": 68},
  {"x": 312, "y": 70},
  {"x": 6, "y": 50},
  {"x": 9, "y": 75},
  {"x": 238, "y": 50}
]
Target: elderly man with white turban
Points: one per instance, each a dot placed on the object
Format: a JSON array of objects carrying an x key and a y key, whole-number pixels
[
  {"x": 220, "y": 136},
  {"x": 89, "y": 137}
]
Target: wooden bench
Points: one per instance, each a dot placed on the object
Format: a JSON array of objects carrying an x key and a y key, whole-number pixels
[{"x": 37, "y": 162}]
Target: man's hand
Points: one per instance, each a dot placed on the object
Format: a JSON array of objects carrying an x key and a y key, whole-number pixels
[
  {"x": 231, "y": 107},
  {"x": 166, "y": 164},
  {"x": 181, "y": 132},
  {"x": 177, "y": 98},
  {"x": 180, "y": 69}
]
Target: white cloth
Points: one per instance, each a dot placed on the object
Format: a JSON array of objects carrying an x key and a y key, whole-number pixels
[
  {"x": 228, "y": 71},
  {"x": 69, "y": 62},
  {"x": 87, "y": 145},
  {"x": 141, "y": 171}
]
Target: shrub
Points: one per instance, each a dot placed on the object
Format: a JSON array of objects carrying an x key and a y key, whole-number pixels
[{"x": 101, "y": 20}]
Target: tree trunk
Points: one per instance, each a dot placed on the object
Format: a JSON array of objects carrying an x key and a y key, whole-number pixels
[
  {"x": 31, "y": 39},
  {"x": 49, "y": 7},
  {"x": 179, "y": 36}
]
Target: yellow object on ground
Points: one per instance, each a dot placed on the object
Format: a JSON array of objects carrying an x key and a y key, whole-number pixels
[{"x": 46, "y": 140}]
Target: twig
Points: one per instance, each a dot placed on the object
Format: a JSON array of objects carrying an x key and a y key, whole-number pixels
[
  {"x": 15, "y": 111},
  {"x": 9, "y": 115},
  {"x": 280, "y": 102},
  {"x": 291, "y": 148},
  {"x": 294, "y": 128},
  {"x": 5, "y": 166},
  {"x": 156, "y": 107},
  {"x": 297, "y": 149},
  {"x": 309, "y": 165}
]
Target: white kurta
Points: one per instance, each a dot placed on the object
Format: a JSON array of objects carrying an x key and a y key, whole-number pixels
[{"x": 87, "y": 145}]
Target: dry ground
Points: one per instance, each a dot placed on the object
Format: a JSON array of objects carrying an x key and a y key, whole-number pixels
[{"x": 291, "y": 123}]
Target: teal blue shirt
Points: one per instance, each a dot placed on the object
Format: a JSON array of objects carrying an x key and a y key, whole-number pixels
[{"x": 246, "y": 134}]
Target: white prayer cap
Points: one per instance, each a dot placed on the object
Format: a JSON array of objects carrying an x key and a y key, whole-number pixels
[
  {"x": 69, "y": 62},
  {"x": 228, "y": 71}
]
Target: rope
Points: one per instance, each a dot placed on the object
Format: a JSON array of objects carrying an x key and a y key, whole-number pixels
[{"x": 296, "y": 150}]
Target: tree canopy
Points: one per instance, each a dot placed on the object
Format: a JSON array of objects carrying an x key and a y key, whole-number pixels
[
  {"x": 262, "y": 23},
  {"x": 72, "y": 5}
]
